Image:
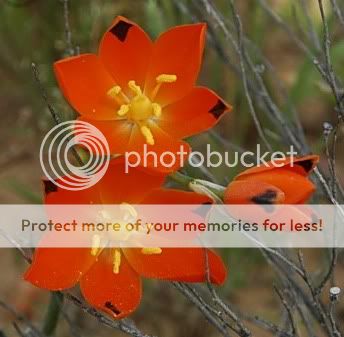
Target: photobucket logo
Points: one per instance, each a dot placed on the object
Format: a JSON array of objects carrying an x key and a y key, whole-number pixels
[
  {"x": 209, "y": 158},
  {"x": 58, "y": 161}
]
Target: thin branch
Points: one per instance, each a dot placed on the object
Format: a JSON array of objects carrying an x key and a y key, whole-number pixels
[
  {"x": 202, "y": 307},
  {"x": 241, "y": 50},
  {"x": 68, "y": 33},
  {"x": 328, "y": 63},
  {"x": 338, "y": 11},
  {"x": 44, "y": 94},
  {"x": 243, "y": 330},
  {"x": 288, "y": 309},
  {"x": 34, "y": 331},
  {"x": 312, "y": 33},
  {"x": 331, "y": 268},
  {"x": 332, "y": 307},
  {"x": 52, "y": 110}
]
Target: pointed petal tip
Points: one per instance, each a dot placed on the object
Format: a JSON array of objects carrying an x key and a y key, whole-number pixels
[{"x": 219, "y": 276}]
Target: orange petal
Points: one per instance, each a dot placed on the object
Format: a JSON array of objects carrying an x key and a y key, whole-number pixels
[
  {"x": 117, "y": 186},
  {"x": 117, "y": 133},
  {"x": 297, "y": 188},
  {"x": 116, "y": 294},
  {"x": 252, "y": 192},
  {"x": 302, "y": 165},
  {"x": 125, "y": 137},
  {"x": 175, "y": 197},
  {"x": 172, "y": 154},
  {"x": 85, "y": 83},
  {"x": 58, "y": 268},
  {"x": 198, "y": 111},
  {"x": 178, "y": 264},
  {"x": 177, "y": 51},
  {"x": 125, "y": 51}
]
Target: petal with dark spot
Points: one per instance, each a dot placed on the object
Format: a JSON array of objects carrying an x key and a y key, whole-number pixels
[
  {"x": 49, "y": 186},
  {"x": 117, "y": 294},
  {"x": 126, "y": 50},
  {"x": 121, "y": 29}
]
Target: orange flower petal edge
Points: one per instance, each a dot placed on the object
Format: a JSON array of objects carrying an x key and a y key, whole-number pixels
[
  {"x": 288, "y": 184},
  {"x": 301, "y": 165}
]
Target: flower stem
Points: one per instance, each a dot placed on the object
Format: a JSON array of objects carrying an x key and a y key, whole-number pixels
[
  {"x": 53, "y": 313},
  {"x": 181, "y": 179},
  {"x": 192, "y": 183}
]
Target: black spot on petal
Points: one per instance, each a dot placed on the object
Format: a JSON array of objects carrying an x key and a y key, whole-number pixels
[
  {"x": 121, "y": 29},
  {"x": 266, "y": 198},
  {"x": 112, "y": 307},
  {"x": 49, "y": 186},
  {"x": 307, "y": 165},
  {"x": 218, "y": 109}
]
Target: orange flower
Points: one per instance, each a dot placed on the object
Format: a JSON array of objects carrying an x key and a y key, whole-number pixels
[
  {"x": 138, "y": 92},
  {"x": 286, "y": 184},
  {"x": 110, "y": 279}
]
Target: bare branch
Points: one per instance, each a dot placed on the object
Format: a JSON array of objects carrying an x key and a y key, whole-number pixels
[
  {"x": 338, "y": 11},
  {"x": 242, "y": 52},
  {"x": 52, "y": 110},
  {"x": 70, "y": 49},
  {"x": 288, "y": 309}
]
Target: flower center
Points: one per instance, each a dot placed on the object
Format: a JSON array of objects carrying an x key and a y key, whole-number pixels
[
  {"x": 129, "y": 214},
  {"x": 140, "y": 109}
]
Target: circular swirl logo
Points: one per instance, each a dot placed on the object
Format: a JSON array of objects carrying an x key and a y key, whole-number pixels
[{"x": 74, "y": 155}]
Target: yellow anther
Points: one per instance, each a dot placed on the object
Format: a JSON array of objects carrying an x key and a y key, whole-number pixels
[
  {"x": 127, "y": 207},
  {"x": 163, "y": 78},
  {"x": 151, "y": 251},
  {"x": 166, "y": 78},
  {"x": 116, "y": 261},
  {"x": 156, "y": 109},
  {"x": 123, "y": 110},
  {"x": 135, "y": 88},
  {"x": 95, "y": 245},
  {"x": 114, "y": 91},
  {"x": 147, "y": 133}
]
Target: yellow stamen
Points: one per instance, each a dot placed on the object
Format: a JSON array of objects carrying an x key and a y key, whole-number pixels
[
  {"x": 166, "y": 78},
  {"x": 151, "y": 251},
  {"x": 114, "y": 91},
  {"x": 117, "y": 94},
  {"x": 95, "y": 245},
  {"x": 116, "y": 261},
  {"x": 156, "y": 109},
  {"x": 127, "y": 207},
  {"x": 135, "y": 88},
  {"x": 140, "y": 108},
  {"x": 123, "y": 110},
  {"x": 147, "y": 133},
  {"x": 163, "y": 78}
]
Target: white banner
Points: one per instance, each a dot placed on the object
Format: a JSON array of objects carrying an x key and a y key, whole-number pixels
[{"x": 129, "y": 225}]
